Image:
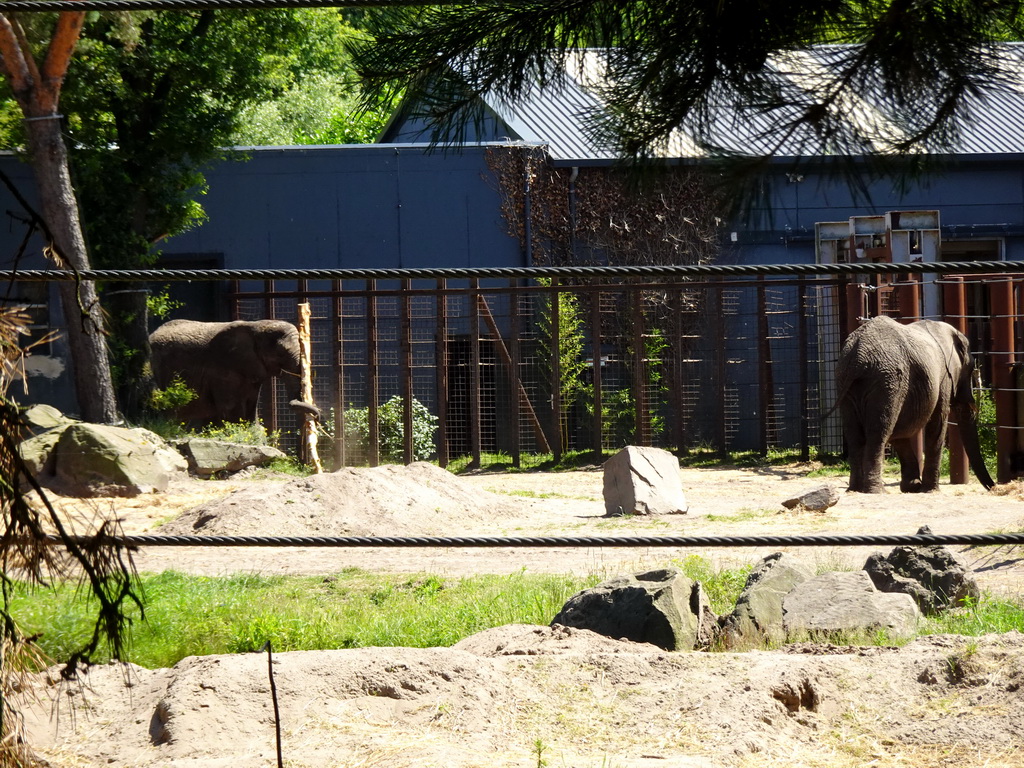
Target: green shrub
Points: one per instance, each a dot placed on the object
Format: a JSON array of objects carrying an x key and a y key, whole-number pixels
[
  {"x": 173, "y": 396},
  {"x": 391, "y": 430}
]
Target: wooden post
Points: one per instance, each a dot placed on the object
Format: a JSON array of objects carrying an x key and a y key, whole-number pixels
[
  {"x": 1002, "y": 374},
  {"x": 556, "y": 373},
  {"x": 475, "y": 418},
  {"x": 405, "y": 375},
  {"x": 441, "y": 366},
  {"x": 595, "y": 354},
  {"x": 308, "y": 429},
  {"x": 954, "y": 312}
]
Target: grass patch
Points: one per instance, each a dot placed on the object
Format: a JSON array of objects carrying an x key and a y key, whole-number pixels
[
  {"x": 197, "y": 615},
  {"x": 987, "y": 615},
  {"x": 533, "y": 494},
  {"x": 529, "y": 462},
  {"x": 743, "y": 515},
  {"x": 722, "y": 586}
]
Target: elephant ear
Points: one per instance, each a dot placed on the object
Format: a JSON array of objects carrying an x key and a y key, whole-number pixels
[{"x": 965, "y": 373}]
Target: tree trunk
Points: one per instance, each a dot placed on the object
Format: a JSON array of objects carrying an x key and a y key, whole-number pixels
[{"x": 94, "y": 388}]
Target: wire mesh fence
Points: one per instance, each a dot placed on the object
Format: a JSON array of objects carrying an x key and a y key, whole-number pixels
[
  {"x": 452, "y": 365},
  {"x": 553, "y": 366}
]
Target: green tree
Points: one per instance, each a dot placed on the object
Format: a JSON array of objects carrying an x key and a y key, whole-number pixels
[
  {"x": 34, "y": 55},
  {"x": 317, "y": 93},
  {"x": 681, "y": 63}
]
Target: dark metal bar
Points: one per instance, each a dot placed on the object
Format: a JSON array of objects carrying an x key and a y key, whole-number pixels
[
  {"x": 271, "y": 396},
  {"x": 372, "y": 376},
  {"x": 805, "y": 374},
  {"x": 556, "y": 373},
  {"x": 475, "y": 420},
  {"x": 675, "y": 373},
  {"x": 595, "y": 353},
  {"x": 954, "y": 312},
  {"x": 405, "y": 372},
  {"x": 1003, "y": 359},
  {"x": 642, "y": 432},
  {"x": 338, "y": 353},
  {"x": 515, "y": 383},
  {"x": 441, "y": 368},
  {"x": 718, "y": 322},
  {"x": 766, "y": 383}
]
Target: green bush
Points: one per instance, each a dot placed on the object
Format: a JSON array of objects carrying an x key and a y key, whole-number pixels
[
  {"x": 391, "y": 430},
  {"x": 173, "y": 396}
]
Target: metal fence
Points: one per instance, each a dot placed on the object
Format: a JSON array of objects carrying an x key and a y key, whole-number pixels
[{"x": 590, "y": 361}]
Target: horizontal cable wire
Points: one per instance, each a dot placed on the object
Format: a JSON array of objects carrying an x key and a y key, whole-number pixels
[
  {"x": 669, "y": 270},
  {"x": 38, "y": 6},
  {"x": 534, "y": 542}
]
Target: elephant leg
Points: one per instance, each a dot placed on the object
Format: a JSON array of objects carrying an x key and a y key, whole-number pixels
[
  {"x": 869, "y": 467},
  {"x": 934, "y": 439},
  {"x": 910, "y": 467},
  {"x": 857, "y": 469}
]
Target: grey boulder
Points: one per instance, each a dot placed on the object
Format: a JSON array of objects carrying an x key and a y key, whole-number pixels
[
  {"x": 209, "y": 458},
  {"x": 100, "y": 460},
  {"x": 758, "y": 616},
  {"x": 935, "y": 577},
  {"x": 42, "y": 418},
  {"x": 663, "y": 607},
  {"x": 846, "y": 602},
  {"x": 815, "y": 500},
  {"x": 643, "y": 481}
]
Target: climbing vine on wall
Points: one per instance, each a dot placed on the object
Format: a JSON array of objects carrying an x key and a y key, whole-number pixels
[{"x": 606, "y": 215}]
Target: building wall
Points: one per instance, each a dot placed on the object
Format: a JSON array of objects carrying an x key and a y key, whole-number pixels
[
  {"x": 352, "y": 207},
  {"x": 400, "y": 206}
]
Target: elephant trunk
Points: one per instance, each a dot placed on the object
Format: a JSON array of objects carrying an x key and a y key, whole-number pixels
[
  {"x": 291, "y": 374},
  {"x": 967, "y": 420}
]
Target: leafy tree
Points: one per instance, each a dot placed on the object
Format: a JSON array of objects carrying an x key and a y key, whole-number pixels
[
  {"x": 317, "y": 99},
  {"x": 682, "y": 63},
  {"x": 34, "y": 55}
]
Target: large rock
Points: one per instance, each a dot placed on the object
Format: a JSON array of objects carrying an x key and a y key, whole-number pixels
[
  {"x": 39, "y": 453},
  {"x": 99, "y": 460},
  {"x": 209, "y": 458},
  {"x": 816, "y": 500},
  {"x": 664, "y": 608},
  {"x": 758, "y": 616},
  {"x": 42, "y": 418},
  {"x": 643, "y": 481},
  {"x": 933, "y": 576},
  {"x": 846, "y": 602}
]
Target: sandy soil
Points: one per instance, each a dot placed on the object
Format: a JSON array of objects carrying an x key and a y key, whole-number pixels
[{"x": 530, "y": 696}]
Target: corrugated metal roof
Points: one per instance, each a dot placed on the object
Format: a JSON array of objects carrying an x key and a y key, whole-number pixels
[{"x": 559, "y": 116}]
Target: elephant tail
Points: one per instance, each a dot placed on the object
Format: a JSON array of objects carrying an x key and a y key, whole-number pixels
[{"x": 840, "y": 397}]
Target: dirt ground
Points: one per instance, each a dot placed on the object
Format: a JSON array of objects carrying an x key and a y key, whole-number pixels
[{"x": 532, "y": 696}]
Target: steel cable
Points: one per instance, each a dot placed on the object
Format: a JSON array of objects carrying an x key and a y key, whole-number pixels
[
  {"x": 978, "y": 539},
  {"x": 669, "y": 270}
]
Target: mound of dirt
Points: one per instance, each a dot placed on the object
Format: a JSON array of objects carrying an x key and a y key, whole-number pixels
[
  {"x": 526, "y": 695},
  {"x": 520, "y": 696},
  {"x": 416, "y": 500}
]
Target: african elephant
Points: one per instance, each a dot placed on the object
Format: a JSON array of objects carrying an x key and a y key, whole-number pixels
[
  {"x": 896, "y": 380},
  {"x": 226, "y": 364}
]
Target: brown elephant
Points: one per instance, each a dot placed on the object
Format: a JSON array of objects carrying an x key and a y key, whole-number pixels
[
  {"x": 896, "y": 380},
  {"x": 226, "y": 364}
]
